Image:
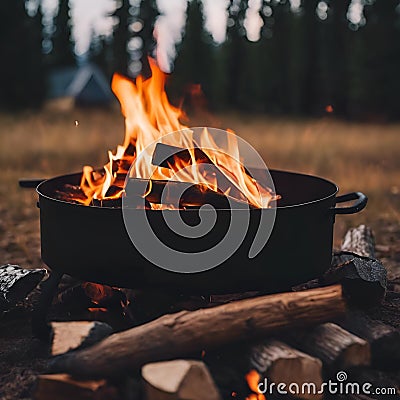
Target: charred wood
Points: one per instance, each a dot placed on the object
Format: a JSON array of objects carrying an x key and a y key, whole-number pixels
[
  {"x": 183, "y": 194},
  {"x": 364, "y": 279},
  {"x": 165, "y": 155},
  {"x": 180, "y": 334}
]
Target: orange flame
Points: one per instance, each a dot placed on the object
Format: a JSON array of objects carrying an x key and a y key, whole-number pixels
[
  {"x": 148, "y": 117},
  {"x": 253, "y": 379}
]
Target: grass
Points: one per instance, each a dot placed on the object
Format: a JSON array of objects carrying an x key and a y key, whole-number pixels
[{"x": 358, "y": 157}]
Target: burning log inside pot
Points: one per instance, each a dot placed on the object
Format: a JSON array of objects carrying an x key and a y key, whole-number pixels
[
  {"x": 173, "y": 192},
  {"x": 167, "y": 156},
  {"x": 173, "y": 157},
  {"x": 186, "y": 332}
]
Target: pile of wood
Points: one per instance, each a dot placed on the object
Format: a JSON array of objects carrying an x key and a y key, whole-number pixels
[{"x": 304, "y": 336}]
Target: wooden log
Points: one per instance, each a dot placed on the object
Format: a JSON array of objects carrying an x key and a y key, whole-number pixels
[
  {"x": 334, "y": 346},
  {"x": 364, "y": 279},
  {"x": 384, "y": 339},
  {"x": 64, "y": 387},
  {"x": 185, "y": 194},
  {"x": 77, "y": 334},
  {"x": 185, "y": 332},
  {"x": 16, "y": 283},
  {"x": 179, "y": 380},
  {"x": 279, "y": 362},
  {"x": 365, "y": 275},
  {"x": 165, "y": 155},
  {"x": 360, "y": 241}
]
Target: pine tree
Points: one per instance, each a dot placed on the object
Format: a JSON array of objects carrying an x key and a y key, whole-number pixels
[
  {"x": 276, "y": 57},
  {"x": 192, "y": 65},
  {"x": 235, "y": 55},
  {"x": 383, "y": 60},
  {"x": 147, "y": 15},
  {"x": 62, "y": 54},
  {"x": 21, "y": 73},
  {"x": 310, "y": 57},
  {"x": 36, "y": 59},
  {"x": 120, "y": 38}
]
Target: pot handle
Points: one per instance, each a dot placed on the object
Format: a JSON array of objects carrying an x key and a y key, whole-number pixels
[
  {"x": 361, "y": 202},
  {"x": 30, "y": 183}
]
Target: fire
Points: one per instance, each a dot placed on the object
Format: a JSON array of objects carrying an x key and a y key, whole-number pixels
[
  {"x": 253, "y": 379},
  {"x": 149, "y": 117}
]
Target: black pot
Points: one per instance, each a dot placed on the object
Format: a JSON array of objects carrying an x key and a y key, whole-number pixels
[{"x": 91, "y": 243}]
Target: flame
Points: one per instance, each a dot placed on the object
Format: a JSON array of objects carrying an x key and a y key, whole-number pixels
[
  {"x": 148, "y": 117},
  {"x": 253, "y": 379}
]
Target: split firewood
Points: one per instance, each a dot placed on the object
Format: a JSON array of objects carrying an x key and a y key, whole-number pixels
[
  {"x": 364, "y": 278},
  {"x": 334, "y": 346},
  {"x": 16, "y": 283},
  {"x": 64, "y": 387},
  {"x": 360, "y": 241},
  {"x": 179, "y": 380},
  {"x": 186, "y": 332},
  {"x": 77, "y": 334},
  {"x": 383, "y": 339},
  {"x": 278, "y": 362}
]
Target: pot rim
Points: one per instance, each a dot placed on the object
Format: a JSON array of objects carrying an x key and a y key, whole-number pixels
[{"x": 335, "y": 190}]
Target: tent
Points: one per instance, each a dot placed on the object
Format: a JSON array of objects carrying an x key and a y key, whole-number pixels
[{"x": 79, "y": 86}]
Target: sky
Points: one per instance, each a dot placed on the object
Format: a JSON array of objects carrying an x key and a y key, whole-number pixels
[{"x": 94, "y": 16}]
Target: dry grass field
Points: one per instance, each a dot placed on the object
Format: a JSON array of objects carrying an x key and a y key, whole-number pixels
[{"x": 358, "y": 157}]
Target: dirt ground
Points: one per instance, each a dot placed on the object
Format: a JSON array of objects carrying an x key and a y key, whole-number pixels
[{"x": 362, "y": 157}]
